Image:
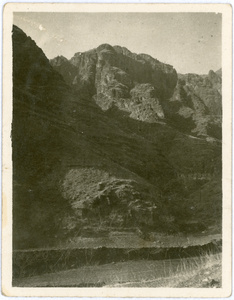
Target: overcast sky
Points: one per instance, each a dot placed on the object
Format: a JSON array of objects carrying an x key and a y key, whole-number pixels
[{"x": 191, "y": 42}]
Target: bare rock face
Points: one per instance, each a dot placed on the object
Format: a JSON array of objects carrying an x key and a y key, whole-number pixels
[
  {"x": 197, "y": 104},
  {"x": 145, "y": 105},
  {"x": 146, "y": 89},
  {"x": 114, "y": 76}
]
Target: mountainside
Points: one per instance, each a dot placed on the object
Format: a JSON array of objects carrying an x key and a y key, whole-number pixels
[
  {"x": 146, "y": 89},
  {"x": 93, "y": 146}
]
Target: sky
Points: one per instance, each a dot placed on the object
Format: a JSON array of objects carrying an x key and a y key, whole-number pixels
[{"x": 190, "y": 42}]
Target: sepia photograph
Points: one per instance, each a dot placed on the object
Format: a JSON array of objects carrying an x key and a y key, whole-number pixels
[{"x": 117, "y": 150}]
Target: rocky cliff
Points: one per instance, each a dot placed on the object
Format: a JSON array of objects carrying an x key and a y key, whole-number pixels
[
  {"x": 134, "y": 83},
  {"x": 146, "y": 89},
  {"x": 80, "y": 161}
]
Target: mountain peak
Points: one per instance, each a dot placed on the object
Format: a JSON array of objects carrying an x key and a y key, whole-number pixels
[
  {"x": 147, "y": 89},
  {"x": 116, "y": 76},
  {"x": 105, "y": 47},
  {"x": 58, "y": 60}
]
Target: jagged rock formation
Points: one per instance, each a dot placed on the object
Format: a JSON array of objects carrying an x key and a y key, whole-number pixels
[
  {"x": 147, "y": 89},
  {"x": 115, "y": 76},
  {"x": 75, "y": 164}
]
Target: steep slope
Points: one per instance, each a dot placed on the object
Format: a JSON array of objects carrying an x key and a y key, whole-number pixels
[{"x": 76, "y": 165}]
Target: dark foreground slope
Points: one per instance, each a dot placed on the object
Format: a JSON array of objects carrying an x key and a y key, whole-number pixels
[{"x": 76, "y": 166}]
